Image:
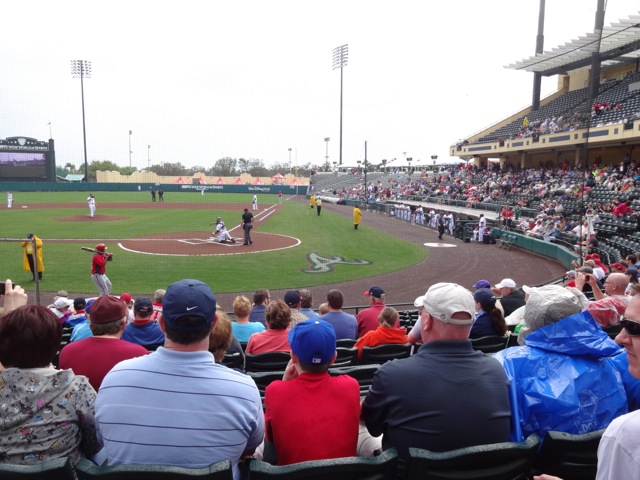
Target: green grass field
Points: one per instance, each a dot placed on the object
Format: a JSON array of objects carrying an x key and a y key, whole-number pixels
[{"x": 68, "y": 267}]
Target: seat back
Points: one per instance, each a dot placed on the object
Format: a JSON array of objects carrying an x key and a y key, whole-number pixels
[
  {"x": 64, "y": 340},
  {"x": 56, "y": 469},
  {"x": 87, "y": 470},
  {"x": 266, "y": 362},
  {"x": 263, "y": 379},
  {"x": 382, "y": 467},
  {"x": 497, "y": 461},
  {"x": 490, "y": 343},
  {"x": 345, "y": 342},
  {"x": 384, "y": 353},
  {"x": 569, "y": 456},
  {"x": 232, "y": 360},
  {"x": 346, "y": 357}
]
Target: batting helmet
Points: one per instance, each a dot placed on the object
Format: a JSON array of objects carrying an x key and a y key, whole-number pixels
[{"x": 101, "y": 247}]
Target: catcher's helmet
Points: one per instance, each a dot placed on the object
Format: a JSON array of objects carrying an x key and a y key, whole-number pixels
[{"x": 101, "y": 247}]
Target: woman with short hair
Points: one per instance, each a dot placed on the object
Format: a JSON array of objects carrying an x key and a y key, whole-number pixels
[
  {"x": 275, "y": 337},
  {"x": 242, "y": 328}
]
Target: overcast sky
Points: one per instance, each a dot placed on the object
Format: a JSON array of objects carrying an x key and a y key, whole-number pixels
[{"x": 201, "y": 80}]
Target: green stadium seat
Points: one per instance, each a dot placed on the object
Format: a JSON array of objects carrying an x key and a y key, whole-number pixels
[
  {"x": 56, "y": 469},
  {"x": 498, "y": 461},
  {"x": 382, "y": 467},
  {"x": 87, "y": 470},
  {"x": 571, "y": 457},
  {"x": 384, "y": 353}
]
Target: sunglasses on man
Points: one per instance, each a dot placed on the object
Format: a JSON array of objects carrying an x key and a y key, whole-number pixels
[{"x": 632, "y": 328}]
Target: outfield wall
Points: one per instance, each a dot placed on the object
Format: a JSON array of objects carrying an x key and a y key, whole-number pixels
[{"x": 129, "y": 187}]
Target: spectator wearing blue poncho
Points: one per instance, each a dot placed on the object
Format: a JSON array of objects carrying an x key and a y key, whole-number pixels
[{"x": 563, "y": 377}]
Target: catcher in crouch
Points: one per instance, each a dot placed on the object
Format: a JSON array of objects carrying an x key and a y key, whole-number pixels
[{"x": 222, "y": 233}]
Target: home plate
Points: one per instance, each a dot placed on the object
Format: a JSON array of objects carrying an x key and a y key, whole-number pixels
[{"x": 440, "y": 245}]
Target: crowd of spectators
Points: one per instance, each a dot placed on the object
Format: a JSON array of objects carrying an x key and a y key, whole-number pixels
[{"x": 123, "y": 393}]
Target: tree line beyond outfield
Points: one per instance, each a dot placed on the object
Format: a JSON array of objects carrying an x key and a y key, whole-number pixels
[{"x": 223, "y": 167}]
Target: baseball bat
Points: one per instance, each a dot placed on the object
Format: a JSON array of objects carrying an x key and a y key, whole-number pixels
[{"x": 96, "y": 251}]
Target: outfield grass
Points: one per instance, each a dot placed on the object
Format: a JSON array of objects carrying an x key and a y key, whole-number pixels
[{"x": 68, "y": 267}]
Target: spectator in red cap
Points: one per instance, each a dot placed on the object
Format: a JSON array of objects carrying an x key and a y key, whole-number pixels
[
  {"x": 618, "y": 268},
  {"x": 93, "y": 357},
  {"x": 368, "y": 318},
  {"x": 128, "y": 301}
]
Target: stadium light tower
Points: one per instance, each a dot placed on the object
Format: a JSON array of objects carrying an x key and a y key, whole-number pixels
[
  {"x": 326, "y": 154},
  {"x": 130, "y": 151},
  {"x": 340, "y": 59},
  {"x": 82, "y": 69}
]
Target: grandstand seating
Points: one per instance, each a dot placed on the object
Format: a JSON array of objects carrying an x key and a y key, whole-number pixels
[{"x": 575, "y": 102}]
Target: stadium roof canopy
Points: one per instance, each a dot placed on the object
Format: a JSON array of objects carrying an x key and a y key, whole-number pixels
[{"x": 620, "y": 44}]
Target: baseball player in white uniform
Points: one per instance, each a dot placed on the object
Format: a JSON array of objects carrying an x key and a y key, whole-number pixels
[
  {"x": 255, "y": 202},
  {"x": 91, "y": 201},
  {"x": 482, "y": 224},
  {"x": 9, "y": 199},
  {"x": 222, "y": 233}
]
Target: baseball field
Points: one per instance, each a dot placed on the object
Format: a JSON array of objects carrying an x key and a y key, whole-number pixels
[{"x": 157, "y": 243}]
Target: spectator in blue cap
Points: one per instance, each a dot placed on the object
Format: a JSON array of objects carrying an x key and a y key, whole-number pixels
[
  {"x": 176, "y": 406},
  {"x": 489, "y": 319},
  {"x": 311, "y": 415},
  {"x": 482, "y": 284}
]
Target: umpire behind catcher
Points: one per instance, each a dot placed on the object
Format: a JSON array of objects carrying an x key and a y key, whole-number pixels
[{"x": 247, "y": 225}]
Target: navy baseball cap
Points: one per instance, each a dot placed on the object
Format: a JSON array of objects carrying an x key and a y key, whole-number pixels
[
  {"x": 484, "y": 295},
  {"x": 482, "y": 284},
  {"x": 79, "y": 303},
  {"x": 313, "y": 341},
  {"x": 188, "y": 298},
  {"x": 292, "y": 298},
  {"x": 143, "y": 305},
  {"x": 374, "y": 291}
]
